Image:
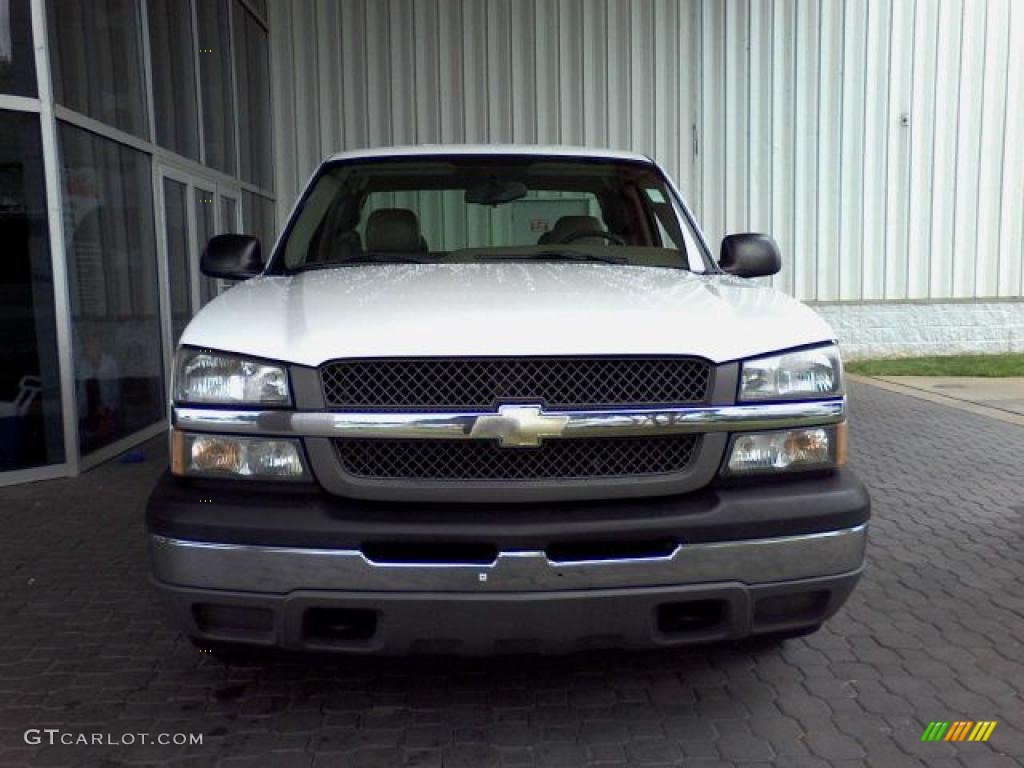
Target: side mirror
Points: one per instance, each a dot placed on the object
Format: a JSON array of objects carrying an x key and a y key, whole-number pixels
[
  {"x": 232, "y": 257},
  {"x": 749, "y": 255}
]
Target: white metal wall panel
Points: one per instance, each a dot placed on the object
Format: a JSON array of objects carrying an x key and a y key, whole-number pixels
[
  {"x": 923, "y": 120},
  {"x": 853, "y": 149},
  {"x": 901, "y": 62},
  {"x": 829, "y": 158},
  {"x": 944, "y": 186},
  {"x": 783, "y": 69},
  {"x": 990, "y": 162},
  {"x": 968, "y": 147},
  {"x": 880, "y": 141},
  {"x": 1011, "y": 232}
]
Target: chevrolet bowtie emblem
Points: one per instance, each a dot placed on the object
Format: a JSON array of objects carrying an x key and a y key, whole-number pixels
[{"x": 519, "y": 426}]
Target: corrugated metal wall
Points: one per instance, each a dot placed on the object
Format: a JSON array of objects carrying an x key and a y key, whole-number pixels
[{"x": 880, "y": 141}]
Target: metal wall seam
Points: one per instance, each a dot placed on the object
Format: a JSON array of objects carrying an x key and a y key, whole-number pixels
[
  {"x": 306, "y": 96},
  {"x": 876, "y": 121},
  {"x": 944, "y": 148},
  {"x": 829, "y": 157},
  {"x": 330, "y": 91},
  {"x": 804, "y": 249},
  {"x": 922, "y": 140},
  {"x": 897, "y": 199},
  {"x": 783, "y": 65},
  {"x": 968, "y": 148},
  {"x": 990, "y": 161},
  {"x": 1011, "y": 232},
  {"x": 712, "y": 106},
  {"x": 853, "y": 152}
]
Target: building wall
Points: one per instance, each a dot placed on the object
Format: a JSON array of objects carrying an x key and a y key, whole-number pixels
[
  {"x": 881, "y": 142},
  {"x": 912, "y": 328}
]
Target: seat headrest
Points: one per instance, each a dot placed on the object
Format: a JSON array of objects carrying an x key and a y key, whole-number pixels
[
  {"x": 393, "y": 230},
  {"x": 567, "y": 225}
]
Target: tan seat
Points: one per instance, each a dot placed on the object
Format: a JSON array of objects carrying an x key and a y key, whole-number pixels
[
  {"x": 568, "y": 225},
  {"x": 394, "y": 230}
]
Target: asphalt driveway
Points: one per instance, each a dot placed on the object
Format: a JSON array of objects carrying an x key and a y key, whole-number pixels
[{"x": 935, "y": 631}]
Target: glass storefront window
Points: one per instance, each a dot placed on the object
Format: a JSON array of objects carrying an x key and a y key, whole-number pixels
[
  {"x": 214, "y": 31},
  {"x": 113, "y": 287},
  {"x": 17, "y": 59},
  {"x": 31, "y": 430},
  {"x": 228, "y": 215},
  {"x": 178, "y": 268},
  {"x": 258, "y": 215},
  {"x": 252, "y": 68},
  {"x": 204, "y": 207},
  {"x": 96, "y": 57},
  {"x": 260, "y": 6},
  {"x": 172, "y": 57}
]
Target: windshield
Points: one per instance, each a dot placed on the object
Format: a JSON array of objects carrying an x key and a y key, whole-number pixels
[{"x": 489, "y": 209}]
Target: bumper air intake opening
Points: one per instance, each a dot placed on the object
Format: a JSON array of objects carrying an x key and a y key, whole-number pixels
[
  {"x": 434, "y": 552},
  {"x": 584, "y": 551},
  {"x": 239, "y": 621},
  {"x": 338, "y": 626},
  {"x": 796, "y": 609},
  {"x": 692, "y": 618}
]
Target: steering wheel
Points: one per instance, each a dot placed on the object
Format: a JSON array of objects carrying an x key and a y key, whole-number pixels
[{"x": 572, "y": 237}]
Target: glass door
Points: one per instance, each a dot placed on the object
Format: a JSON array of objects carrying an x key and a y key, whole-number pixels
[
  {"x": 205, "y": 204},
  {"x": 192, "y": 209},
  {"x": 178, "y": 220}
]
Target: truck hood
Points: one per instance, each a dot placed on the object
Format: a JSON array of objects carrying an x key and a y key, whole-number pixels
[{"x": 394, "y": 310}]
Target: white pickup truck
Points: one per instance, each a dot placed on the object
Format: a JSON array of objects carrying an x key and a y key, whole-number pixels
[{"x": 487, "y": 399}]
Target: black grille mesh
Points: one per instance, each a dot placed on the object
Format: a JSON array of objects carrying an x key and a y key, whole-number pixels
[
  {"x": 484, "y": 382},
  {"x": 571, "y": 458}
]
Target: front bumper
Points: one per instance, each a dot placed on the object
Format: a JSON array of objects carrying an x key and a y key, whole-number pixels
[
  {"x": 506, "y": 622},
  {"x": 320, "y": 573}
]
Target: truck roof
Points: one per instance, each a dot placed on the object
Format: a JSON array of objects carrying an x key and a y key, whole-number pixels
[{"x": 413, "y": 150}]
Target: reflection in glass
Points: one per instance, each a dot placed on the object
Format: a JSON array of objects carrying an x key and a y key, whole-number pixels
[
  {"x": 215, "y": 77},
  {"x": 17, "y": 59},
  {"x": 252, "y": 69},
  {"x": 96, "y": 56},
  {"x": 174, "y": 83},
  {"x": 112, "y": 282},
  {"x": 260, "y": 6},
  {"x": 258, "y": 215},
  {"x": 176, "y": 232},
  {"x": 204, "y": 207},
  {"x": 228, "y": 215},
  {"x": 30, "y": 414}
]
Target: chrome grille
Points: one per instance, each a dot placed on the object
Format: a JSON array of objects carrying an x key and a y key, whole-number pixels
[
  {"x": 563, "y": 459},
  {"x": 482, "y": 383}
]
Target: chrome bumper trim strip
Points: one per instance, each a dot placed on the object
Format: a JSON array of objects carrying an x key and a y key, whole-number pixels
[
  {"x": 546, "y": 424},
  {"x": 284, "y": 569}
]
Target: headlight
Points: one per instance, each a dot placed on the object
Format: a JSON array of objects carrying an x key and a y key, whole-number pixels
[
  {"x": 787, "y": 450},
  {"x": 212, "y": 377},
  {"x": 809, "y": 373},
  {"x": 257, "y": 458}
]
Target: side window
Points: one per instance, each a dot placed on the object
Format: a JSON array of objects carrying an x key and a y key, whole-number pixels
[{"x": 664, "y": 218}]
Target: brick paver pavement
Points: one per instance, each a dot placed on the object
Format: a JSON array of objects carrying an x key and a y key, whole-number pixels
[{"x": 934, "y": 632}]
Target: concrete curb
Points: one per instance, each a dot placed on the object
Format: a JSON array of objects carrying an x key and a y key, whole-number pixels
[{"x": 952, "y": 402}]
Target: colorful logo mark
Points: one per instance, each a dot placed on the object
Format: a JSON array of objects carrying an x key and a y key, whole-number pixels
[{"x": 959, "y": 730}]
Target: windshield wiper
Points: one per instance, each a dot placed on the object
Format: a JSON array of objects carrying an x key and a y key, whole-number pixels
[
  {"x": 560, "y": 256},
  {"x": 381, "y": 257},
  {"x": 367, "y": 258}
]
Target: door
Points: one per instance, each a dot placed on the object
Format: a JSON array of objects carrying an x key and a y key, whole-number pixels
[
  {"x": 192, "y": 209},
  {"x": 178, "y": 220}
]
